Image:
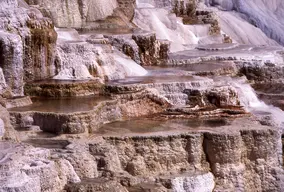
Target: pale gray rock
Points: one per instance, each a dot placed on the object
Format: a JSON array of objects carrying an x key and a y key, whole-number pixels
[
  {"x": 3, "y": 84},
  {"x": 25, "y": 55},
  {"x": 7, "y": 129},
  {"x": 233, "y": 161},
  {"x": 11, "y": 49},
  {"x": 200, "y": 183},
  {"x": 83, "y": 60},
  {"x": 2, "y": 128},
  {"x": 74, "y": 13},
  {"x": 24, "y": 168},
  {"x": 17, "y": 102},
  {"x": 27, "y": 121}
]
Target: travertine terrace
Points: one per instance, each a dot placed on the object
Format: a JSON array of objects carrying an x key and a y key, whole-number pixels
[{"x": 141, "y": 95}]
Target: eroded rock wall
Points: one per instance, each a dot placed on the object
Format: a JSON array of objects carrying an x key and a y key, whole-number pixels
[
  {"x": 27, "y": 45},
  {"x": 76, "y": 13},
  {"x": 209, "y": 160},
  {"x": 144, "y": 49},
  {"x": 230, "y": 157},
  {"x": 25, "y": 168}
]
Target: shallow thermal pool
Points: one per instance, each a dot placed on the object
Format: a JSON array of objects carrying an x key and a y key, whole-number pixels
[
  {"x": 62, "y": 105},
  {"x": 141, "y": 126}
]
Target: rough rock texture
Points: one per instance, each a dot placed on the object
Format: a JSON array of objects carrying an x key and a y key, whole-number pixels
[
  {"x": 218, "y": 97},
  {"x": 127, "y": 7},
  {"x": 2, "y": 129},
  {"x": 231, "y": 157},
  {"x": 74, "y": 13},
  {"x": 127, "y": 105},
  {"x": 151, "y": 50},
  {"x": 262, "y": 70},
  {"x": 188, "y": 10},
  {"x": 239, "y": 156},
  {"x": 11, "y": 53},
  {"x": 7, "y": 130},
  {"x": 145, "y": 49},
  {"x": 16, "y": 102},
  {"x": 127, "y": 45},
  {"x": 182, "y": 8},
  {"x": 157, "y": 152},
  {"x": 93, "y": 58},
  {"x": 24, "y": 168},
  {"x": 202, "y": 92},
  {"x": 271, "y": 92},
  {"x": 39, "y": 49},
  {"x": 27, "y": 45},
  {"x": 96, "y": 185},
  {"x": 203, "y": 183},
  {"x": 59, "y": 89}
]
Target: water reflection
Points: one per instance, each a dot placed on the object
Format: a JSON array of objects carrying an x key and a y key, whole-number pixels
[{"x": 62, "y": 105}]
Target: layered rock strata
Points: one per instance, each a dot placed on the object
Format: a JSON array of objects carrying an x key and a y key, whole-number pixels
[
  {"x": 74, "y": 13},
  {"x": 193, "y": 136},
  {"x": 27, "y": 46},
  {"x": 198, "y": 159},
  {"x": 144, "y": 102},
  {"x": 87, "y": 14}
]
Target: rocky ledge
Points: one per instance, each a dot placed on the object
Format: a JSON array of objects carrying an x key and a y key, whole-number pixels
[
  {"x": 155, "y": 155},
  {"x": 79, "y": 112}
]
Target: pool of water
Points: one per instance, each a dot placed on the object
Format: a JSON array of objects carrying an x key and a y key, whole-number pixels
[
  {"x": 141, "y": 126},
  {"x": 195, "y": 67},
  {"x": 159, "y": 76},
  {"x": 62, "y": 105}
]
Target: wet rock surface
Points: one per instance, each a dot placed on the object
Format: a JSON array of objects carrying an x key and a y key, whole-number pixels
[
  {"x": 27, "y": 45},
  {"x": 98, "y": 121}
]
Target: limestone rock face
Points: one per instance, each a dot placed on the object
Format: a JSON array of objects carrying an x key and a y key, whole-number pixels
[
  {"x": 202, "y": 183},
  {"x": 40, "y": 49},
  {"x": 6, "y": 130},
  {"x": 127, "y": 7},
  {"x": 84, "y": 60},
  {"x": 74, "y": 13},
  {"x": 151, "y": 50},
  {"x": 25, "y": 168},
  {"x": 3, "y": 84},
  {"x": 219, "y": 97},
  {"x": 239, "y": 156},
  {"x": 27, "y": 45},
  {"x": 2, "y": 128},
  {"x": 235, "y": 161},
  {"x": 145, "y": 49},
  {"x": 11, "y": 53}
]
